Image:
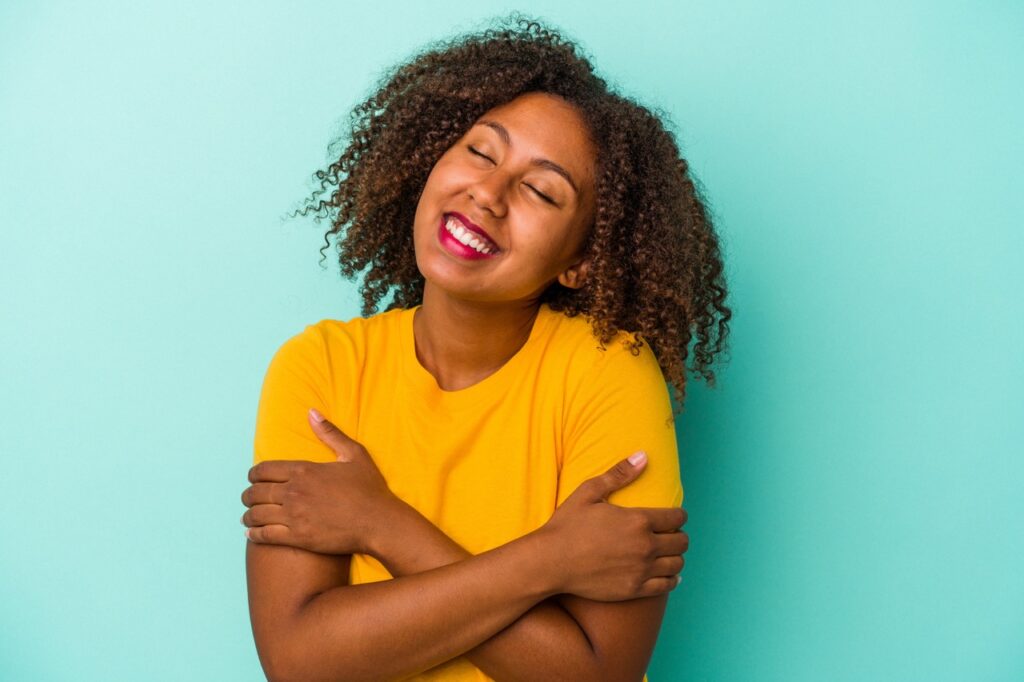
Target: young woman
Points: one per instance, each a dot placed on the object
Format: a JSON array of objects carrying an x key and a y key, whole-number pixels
[{"x": 482, "y": 481}]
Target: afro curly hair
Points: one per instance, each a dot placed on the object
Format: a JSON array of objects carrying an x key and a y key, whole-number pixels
[{"x": 656, "y": 268}]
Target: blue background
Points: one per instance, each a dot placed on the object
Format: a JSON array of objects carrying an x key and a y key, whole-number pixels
[{"x": 853, "y": 484}]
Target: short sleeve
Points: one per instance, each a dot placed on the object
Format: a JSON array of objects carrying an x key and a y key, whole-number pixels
[
  {"x": 622, "y": 406},
  {"x": 297, "y": 379}
]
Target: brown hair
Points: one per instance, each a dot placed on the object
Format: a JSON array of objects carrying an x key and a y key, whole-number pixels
[{"x": 655, "y": 270}]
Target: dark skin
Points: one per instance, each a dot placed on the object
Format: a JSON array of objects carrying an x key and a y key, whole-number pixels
[
  {"x": 476, "y": 314},
  {"x": 590, "y": 551},
  {"x": 582, "y": 597}
]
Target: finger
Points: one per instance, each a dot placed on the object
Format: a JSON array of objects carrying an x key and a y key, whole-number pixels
[
  {"x": 666, "y": 544},
  {"x": 263, "y": 493},
  {"x": 265, "y": 515},
  {"x": 278, "y": 470},
  {"x": 620, "y": 475},
  {"x": 268, "y": 535},
  {"x": 664, "y": 519},
  {"x": 652, "y": 587},
  {"x": 332, "y": 435},
  {"x": 667, "y": 566}
]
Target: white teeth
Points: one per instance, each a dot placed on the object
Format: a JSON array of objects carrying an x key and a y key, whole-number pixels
[{"x": 466, "y": 237}]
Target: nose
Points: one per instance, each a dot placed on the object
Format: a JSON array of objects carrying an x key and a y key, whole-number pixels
[{"x": 489, "y": 192}]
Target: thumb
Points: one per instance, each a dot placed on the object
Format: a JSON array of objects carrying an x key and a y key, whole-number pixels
[
  {"x": 619, "y": 476},
  {"x": 332, "y": 436}
]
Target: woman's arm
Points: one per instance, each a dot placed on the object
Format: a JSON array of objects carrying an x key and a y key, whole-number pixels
[
  {"x": 306, "y": 627},
  {"x": 562, "y": 638},
  {"x": 288, "y": 587}
]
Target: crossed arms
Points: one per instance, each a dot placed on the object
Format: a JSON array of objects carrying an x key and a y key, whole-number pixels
[
  {"x": 582, "y": 597},
  {"x": 514, "y": 611}
]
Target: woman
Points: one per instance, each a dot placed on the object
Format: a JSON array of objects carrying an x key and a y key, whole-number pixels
[{"x": 496, "y": 441}]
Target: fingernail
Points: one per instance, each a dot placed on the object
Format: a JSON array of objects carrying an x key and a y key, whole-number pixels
[
  {"x": 679, "y": 579},
  {"x": 637, "y": 458},
  {"x": 247, "y": 536},
  {"x": 317, "y": 417}
]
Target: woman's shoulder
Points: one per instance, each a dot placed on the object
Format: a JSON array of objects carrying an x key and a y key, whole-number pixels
[
  {"x": 574, "y": 336},
  {"x": 574, "y": 351},
  {"x": 352, "y": 336},
  {"x": 620, "y": 376},
  {"x": 356, "y": 327}
]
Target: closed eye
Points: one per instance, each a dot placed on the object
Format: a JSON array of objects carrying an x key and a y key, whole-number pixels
[
  {"x": 474, "y": 151},
  {"x": 543, "y": 196}
]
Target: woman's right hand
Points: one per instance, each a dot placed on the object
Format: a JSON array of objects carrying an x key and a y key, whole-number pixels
[{"x": 609, "y": 553}]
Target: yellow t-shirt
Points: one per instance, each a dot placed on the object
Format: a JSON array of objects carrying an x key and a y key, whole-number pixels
[{"x": 486, "y": 464}]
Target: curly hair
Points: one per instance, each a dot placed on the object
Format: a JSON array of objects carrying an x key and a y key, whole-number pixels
[{"x": 656, "y": 268}]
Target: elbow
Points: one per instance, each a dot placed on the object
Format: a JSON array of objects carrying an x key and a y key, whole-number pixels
[
  {"x": 284, "y": 659},
  {"x": 281, "y": 667},
  {"x": 294, "y": 659},
  {"x": 608, "y": 675},
  {"x": 616, "y": 670},
  {"x": 278, "y": 664},
  {"x": 288, "y": 650},
  {"x": 622, "y": 673}
]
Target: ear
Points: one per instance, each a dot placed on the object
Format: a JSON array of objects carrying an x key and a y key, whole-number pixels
[{"x": 576, "y": 275}]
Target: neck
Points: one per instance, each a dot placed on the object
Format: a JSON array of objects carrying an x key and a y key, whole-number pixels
[{"x": 463, "y": 342}]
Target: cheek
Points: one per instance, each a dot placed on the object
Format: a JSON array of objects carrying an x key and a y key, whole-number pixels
[
  {"x": 428, "y": 186},
  {"x": 434, "y": 190},
  {"x": 443, "y": 171},
  {"x": 434, "y": 179},
  {"x": 550, "y": 245}
]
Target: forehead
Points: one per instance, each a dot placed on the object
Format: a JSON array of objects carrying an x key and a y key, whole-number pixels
[{"x": 547, "y": 126}]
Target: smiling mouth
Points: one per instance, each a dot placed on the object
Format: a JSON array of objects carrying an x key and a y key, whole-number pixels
[{"x": 456, "y": 229}]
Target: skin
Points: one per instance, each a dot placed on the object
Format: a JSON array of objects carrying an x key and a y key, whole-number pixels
[
  {"x": 582, "y": 597},
  {"x": 476, "y": 314},
  {"x": 588, "y": 548}
]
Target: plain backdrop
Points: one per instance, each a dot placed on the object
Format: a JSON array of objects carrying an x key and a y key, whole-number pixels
[{"x": 853, "y": 483}]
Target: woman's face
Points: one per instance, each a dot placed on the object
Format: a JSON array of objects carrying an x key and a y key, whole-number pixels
[{"x": 523, "y": 175}]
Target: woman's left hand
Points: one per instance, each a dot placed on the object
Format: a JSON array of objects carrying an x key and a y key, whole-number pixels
[{"x": 325, "y": 507}]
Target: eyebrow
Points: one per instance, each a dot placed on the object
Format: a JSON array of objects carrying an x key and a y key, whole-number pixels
[{"x": 543, "y": 163}]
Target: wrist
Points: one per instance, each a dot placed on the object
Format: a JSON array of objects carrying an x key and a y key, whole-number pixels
[
  {"x": 550, "y": 570},
  {"x": 389, "y": 522}
]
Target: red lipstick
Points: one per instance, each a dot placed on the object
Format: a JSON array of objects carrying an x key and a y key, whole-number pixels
[
  {"x": 473, "y": 227},
  {"x": 453, "y": 245}
]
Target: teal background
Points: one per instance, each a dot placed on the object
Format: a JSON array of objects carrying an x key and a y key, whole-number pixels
[{"x": 853, "y": 484}]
